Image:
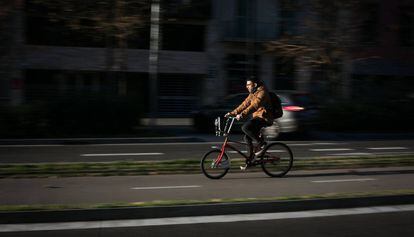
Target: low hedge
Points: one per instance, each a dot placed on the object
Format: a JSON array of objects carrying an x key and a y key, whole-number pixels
[
  {"x": 65, "y": 117},
  {"x": 369, "y": 116}
]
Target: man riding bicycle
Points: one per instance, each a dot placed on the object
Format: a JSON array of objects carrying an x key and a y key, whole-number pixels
[{"x": 257, "y": 103}]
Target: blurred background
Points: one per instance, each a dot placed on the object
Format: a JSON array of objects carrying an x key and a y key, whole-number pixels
[{"x": 118, "y": 67}]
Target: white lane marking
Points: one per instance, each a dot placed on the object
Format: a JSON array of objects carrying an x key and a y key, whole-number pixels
[
  {"x": 333, "y": 149},
  {"x": 388, "y": 148},
  {"x": 342, "y": 180},
  {"x": 7, "y": 146},
  {"x": 235, "y": 152},
  {"x": 271, "y": 151},
  {"x": 303, "y": 144},
  {"x": 166, "y": 187},
  {"x": 315, "y": 144},
  {"x": 117, "y": 144},
  {"x": 125, "y": 154},
  {"x": 156, "y": 144},
  {"x": 352, "y": 154},
  {"x": 377, "y": 154},
  {"x": 202, "y": 219}
]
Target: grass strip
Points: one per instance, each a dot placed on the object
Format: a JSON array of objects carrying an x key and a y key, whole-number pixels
[
  {"x": 184, "y": 166},
  {"x": 160, "y": 203}
]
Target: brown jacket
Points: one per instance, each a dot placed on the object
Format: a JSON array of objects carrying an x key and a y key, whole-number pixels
[{"x": 255, "y": 103}]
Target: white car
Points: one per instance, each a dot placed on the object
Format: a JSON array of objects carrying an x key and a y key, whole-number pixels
[{"x": 297, "y": 114}]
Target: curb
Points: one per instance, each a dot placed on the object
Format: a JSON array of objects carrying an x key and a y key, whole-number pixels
[{"x": 198, "y": 210}]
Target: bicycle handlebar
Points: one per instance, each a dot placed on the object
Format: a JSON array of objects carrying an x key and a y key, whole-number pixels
[{"x": 227, "y": 126}]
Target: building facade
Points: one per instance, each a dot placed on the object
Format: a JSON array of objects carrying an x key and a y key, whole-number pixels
[{"x": 207, "y": 48}]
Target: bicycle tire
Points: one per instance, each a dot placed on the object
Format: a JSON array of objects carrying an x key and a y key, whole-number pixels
[
  {"x": 277, "y": 159},
  {"x": 214, "y": 172}
]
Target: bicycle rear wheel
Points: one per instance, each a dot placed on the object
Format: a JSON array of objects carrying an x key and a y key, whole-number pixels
[
  {"x": 277, "y": 159},
  {"x": 212, "y": 170}
]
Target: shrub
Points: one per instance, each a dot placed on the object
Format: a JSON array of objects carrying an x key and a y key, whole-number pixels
[
  {"x": 80, "y": 116},
  {"x": 371, "y": 116}
]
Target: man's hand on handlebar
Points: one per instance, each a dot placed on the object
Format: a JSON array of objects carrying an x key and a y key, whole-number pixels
[{"x": 238, "y": 117}]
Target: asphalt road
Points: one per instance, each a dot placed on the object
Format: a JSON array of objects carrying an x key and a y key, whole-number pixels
[
  {"x": 188, "y": 150},
  {"x": 91, "y": 190},
  {"x": 379, "y": 224}
]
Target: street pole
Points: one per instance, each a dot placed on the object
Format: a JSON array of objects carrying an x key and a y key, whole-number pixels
[{"x": 153, "y": 60}]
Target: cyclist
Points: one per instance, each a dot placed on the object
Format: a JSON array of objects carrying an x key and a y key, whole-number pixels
[{"x": 257, "y": 103}]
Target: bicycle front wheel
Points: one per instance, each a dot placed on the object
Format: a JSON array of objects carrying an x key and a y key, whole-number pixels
[
  {"x": 277, "y": 160},
  {"x": 209, "y": 166}
]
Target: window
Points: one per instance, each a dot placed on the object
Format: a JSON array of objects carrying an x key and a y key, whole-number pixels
[
  {"x": 183, "y": 37},
  {"x": 179, "y": 94},
  {"x": 195, "y": 9},
  {"x": 239, "y": 67},
  {"x": 244, "y": 18},
  {"x": 50, "y": 25},
  {"x": 43, "y": 30},
  {"x": 369, "y": 14},
  {"x": 287, "y": 10},
  {"x": 407, "y": 27},
  {"x": 284, "y": 73}
]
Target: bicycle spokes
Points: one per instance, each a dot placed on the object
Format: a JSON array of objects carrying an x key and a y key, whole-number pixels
[
  {"x": 278, "y": 160},
  {"x": 215, "y": 164}
]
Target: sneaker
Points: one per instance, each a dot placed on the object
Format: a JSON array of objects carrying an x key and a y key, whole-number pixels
[
  {"x": 261, "y": 150},
  {"x": 243, "y": 167}
]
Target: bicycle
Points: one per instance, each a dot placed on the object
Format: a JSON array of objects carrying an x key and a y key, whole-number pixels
[{"x": 275, "y": 161}]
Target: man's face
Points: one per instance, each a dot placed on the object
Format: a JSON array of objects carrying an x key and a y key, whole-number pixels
[{"x": 250, "y": 86}]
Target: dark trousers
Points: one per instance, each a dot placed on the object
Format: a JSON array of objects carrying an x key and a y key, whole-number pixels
[{"x": 252, "y": 130}]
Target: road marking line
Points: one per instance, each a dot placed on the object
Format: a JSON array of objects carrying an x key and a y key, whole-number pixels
[
  {"x": 305, "y": 144},
  {"x": 276, "y": 151},
  {"x": 235, "y": 152},
  {"x": 342, "y": 180},
  {"x": 8, "y": 146},
  {"x": 352, "y": 154},
  {"x": 271, "y": 151},
  {"x": 155, "y": 144},
  {"x": 191, "y": 220},
  {"x": 166, "y": 187},
  {"x": 333, "y": 149},
  {"x": 115, "y": 144},
  {"x": 125, "y": 154},
  {"x": 315, "y": 144},
  {"x": 388, "y": 148}
]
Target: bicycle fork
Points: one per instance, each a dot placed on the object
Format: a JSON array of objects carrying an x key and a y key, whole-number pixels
[{"x": 220, "y": 157}]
